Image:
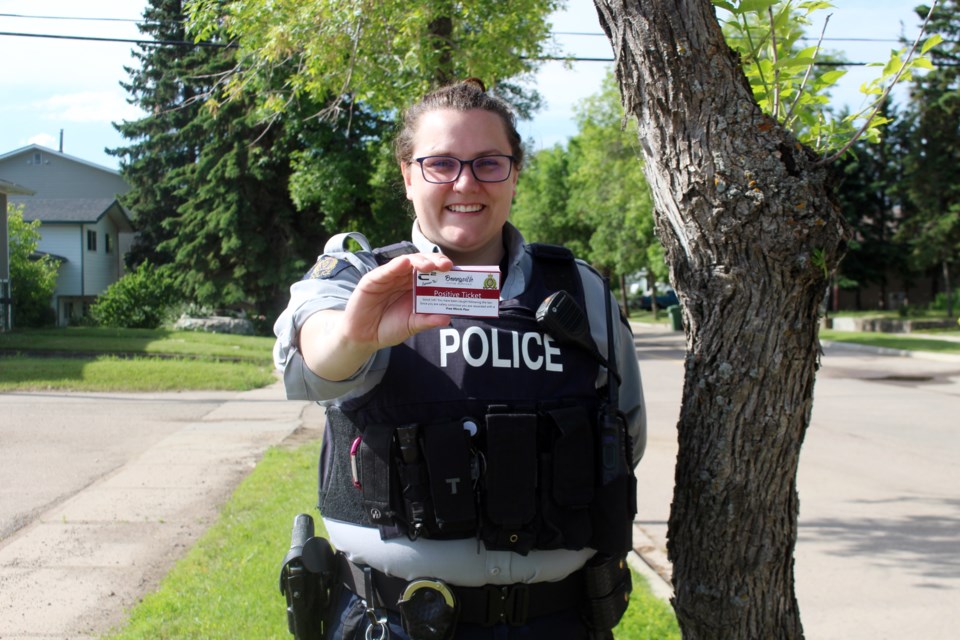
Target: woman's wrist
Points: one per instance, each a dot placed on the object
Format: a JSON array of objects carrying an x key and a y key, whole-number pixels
[{"x": 326, "y": 349}]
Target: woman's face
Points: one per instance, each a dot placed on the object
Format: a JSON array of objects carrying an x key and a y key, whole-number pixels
[{"x": 465, "y": 217}]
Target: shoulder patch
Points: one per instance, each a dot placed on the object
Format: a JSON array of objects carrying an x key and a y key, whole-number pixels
[{"x": 326, "y": 267}]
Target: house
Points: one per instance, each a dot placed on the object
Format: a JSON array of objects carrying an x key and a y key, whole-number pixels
[{"x": 82, "y": 223}]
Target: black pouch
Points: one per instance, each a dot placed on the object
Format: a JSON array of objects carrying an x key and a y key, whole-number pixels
[
  {"x": 511, "y": 480},
  {"x": 373, "y": 459},
  {"x": 608, "y": 586},
  {"x": 447, "y": 449},
  {"x": 567, "y": 480}
]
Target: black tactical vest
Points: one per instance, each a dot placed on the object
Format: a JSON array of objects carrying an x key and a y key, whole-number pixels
[{"x": 485, "y": 428}]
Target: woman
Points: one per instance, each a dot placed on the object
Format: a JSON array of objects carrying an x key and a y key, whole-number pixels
[{"x": 460, "y": 454}]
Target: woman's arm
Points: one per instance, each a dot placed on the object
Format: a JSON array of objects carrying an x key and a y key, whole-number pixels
[{"x": 379, "y": 314}]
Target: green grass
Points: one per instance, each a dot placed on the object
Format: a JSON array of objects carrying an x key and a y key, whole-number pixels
[
  {"x": 194, "y": 344},
  {"x": 637, "y": 315},
  {"x": 103, "y": 359},
  {"x": 226, "y": 586},
  {"x": 109, "y": 373},
  {"x": 892, "y": 341}
]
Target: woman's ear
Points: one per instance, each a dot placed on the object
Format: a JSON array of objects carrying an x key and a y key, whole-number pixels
[{"x": 407, "y": 178}]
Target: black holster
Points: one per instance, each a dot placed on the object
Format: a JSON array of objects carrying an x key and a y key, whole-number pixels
[
  {"x": 307, "y": 578},
  {"x": 608, "y": 587}
]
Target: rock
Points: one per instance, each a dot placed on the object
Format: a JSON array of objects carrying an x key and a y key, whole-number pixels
[{"x": 216, "y": 324}]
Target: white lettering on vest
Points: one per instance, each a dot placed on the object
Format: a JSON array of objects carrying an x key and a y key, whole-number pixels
[
  {"x": 472, "y": 360},
  {"x": 479, "y": 347},
  {"x": 449, "y": 343},
  {"x": 453, "y": 482}
]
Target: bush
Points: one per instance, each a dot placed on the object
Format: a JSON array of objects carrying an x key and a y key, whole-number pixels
[
  {"x": 940, "y": 302},
  {"x": 141, "y": 299},
  {"x": 32, "y": 279}
]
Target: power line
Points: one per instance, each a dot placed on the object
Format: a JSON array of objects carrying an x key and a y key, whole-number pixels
[
  {"x": 596, "y": 34},
  {"x": 20, "y": 15},
  {"x": 144, "y": 43},
  {"x": 837, "y": 39}
]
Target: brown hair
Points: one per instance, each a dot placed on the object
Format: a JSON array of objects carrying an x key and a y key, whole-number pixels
[{"x": 461, "y": 96}]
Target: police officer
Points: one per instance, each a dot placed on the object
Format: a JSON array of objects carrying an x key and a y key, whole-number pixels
[{"x": 460, "y": 474}]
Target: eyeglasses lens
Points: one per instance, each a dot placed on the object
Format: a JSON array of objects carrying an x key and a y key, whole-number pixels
[{"x": 443, "y": 169}]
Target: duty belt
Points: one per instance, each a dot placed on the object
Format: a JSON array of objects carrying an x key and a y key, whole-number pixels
[{"x": 487, "y": 605}]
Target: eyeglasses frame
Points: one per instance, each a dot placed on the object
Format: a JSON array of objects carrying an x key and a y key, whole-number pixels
[{"x": 423, "y": 172}]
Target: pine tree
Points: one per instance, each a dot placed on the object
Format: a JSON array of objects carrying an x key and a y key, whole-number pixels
[
  {"x": 168, "y": 88},
  {"x": 211, "y": 182}
]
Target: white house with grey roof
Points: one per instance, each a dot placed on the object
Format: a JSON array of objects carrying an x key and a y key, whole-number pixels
[{"x": 82, "y": 224}]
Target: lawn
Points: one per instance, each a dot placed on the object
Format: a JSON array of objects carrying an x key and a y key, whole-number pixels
[
  {"x": 900, "y": 341},
  {"x": 101, "y": 359}
]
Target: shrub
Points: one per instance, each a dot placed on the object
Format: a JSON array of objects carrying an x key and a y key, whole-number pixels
[
  {"x": 33, "y": 279},
  {"x": 139, "y": 300},
  {"x": 940, "y": 302}
]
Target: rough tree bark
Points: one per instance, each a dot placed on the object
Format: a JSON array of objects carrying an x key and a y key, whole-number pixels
[{"x": 750, "y": 229}]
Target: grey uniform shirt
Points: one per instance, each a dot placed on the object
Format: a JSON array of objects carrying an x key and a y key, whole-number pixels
[{"x": 461, "y": 562}]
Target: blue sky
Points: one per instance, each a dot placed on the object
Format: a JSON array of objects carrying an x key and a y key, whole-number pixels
[{"x": 49, "y": 85}]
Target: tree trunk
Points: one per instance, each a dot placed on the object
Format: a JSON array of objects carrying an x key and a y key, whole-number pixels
[
  {"x": 751, "y": 231},
  {"x": 948, "y": 287}
]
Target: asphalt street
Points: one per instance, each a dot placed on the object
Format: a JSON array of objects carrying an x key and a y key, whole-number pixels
[{"x": 101, "y": 493}]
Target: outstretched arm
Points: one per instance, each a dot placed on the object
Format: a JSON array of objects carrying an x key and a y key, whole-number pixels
[{"x": 379, "y": 314}]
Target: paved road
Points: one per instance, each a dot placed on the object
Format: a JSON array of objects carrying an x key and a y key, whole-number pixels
[{"x": 878, "y": 554}]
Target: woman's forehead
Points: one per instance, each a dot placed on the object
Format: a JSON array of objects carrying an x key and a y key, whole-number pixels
[{"x": 447, "y": 131}]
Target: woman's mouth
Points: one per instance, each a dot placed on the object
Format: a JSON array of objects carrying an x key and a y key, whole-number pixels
[{"x": 465, "y": 208}]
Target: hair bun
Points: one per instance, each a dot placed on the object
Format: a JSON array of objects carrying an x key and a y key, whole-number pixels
[{"x": 475, "y": 82}]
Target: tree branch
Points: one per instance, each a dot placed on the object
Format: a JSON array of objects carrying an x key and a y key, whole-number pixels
[{"x": 886, "y": 92}]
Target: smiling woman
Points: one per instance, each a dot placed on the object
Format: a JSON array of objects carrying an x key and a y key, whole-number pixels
[{"x": 476, "y": 416}]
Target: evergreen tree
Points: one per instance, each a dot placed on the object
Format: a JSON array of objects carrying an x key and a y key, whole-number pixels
[
  {"x": 169, "y": 88},
  {"x": 211, "y": 183}
]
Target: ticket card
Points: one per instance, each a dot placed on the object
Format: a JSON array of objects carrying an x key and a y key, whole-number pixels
[{"x": 462, "y": 291}]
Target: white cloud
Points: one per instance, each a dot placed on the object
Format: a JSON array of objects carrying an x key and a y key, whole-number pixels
[
  {"x": 88, "y": 106},
  {"x": 44, "y": 140}
]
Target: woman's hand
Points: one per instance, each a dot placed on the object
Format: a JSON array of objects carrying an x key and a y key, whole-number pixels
[{"x": 379, "y": 314}]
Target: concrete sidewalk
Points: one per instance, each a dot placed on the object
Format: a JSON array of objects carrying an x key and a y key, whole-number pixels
[{"x": 76, "y": 570}]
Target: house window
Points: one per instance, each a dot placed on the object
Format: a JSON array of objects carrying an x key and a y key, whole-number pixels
[
  {"x": 107, "y": 243},
  {"x": 91, "y": 240},
  {"x": 37, "y": 158}
]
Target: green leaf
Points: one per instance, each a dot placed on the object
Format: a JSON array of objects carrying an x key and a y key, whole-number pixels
[
  {"x": 723, "y": 4},
  {"x": 931, "y": 42},
  {"x": 747, "y": 6}
]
